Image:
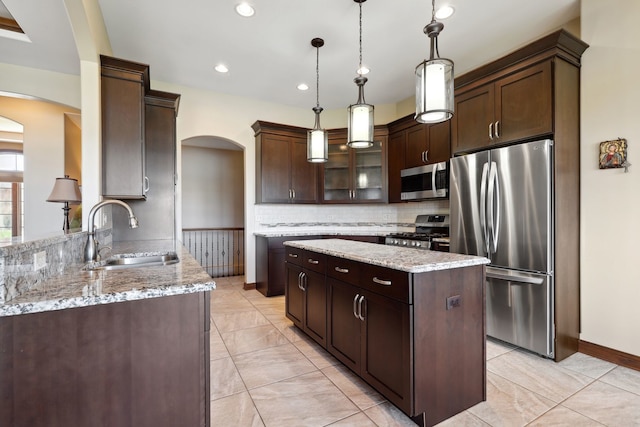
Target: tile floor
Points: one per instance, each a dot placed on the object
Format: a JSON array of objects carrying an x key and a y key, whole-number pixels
[{"x": 264, "y": 372}]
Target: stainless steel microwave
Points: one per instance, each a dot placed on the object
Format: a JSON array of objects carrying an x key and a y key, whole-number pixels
[{"x": 425, "y": 182}]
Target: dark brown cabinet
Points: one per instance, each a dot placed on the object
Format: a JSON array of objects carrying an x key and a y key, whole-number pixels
[
  {"x": 123, "y": 87},
  {"x": 283, "y": 174},
  {"x": 306, "y": 293},
  {"x": 515, "y": 107},
  {"x": 355, "y": 175},
  {"x": 397, "y": 332},
  {"x": 132, "y": 363},
  {"x": 413, "y": 144}
]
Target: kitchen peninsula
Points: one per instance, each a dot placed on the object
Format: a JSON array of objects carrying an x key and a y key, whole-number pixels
[
  {"x": 409, "y": 322},
  {"x": 109, "y": 347}
]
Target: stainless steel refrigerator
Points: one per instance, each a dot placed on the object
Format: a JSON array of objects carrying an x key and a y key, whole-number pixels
[{"x": 502, "y": 207}]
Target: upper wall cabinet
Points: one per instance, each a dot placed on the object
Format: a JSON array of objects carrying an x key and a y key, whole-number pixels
[
  {"x": 283, "y": 174},
  {"x": 123, "y": 87},
  {"x": 516, "y": 98},
  {"x": 355, "y": 175}
]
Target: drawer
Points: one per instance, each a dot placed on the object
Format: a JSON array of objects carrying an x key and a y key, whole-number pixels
[
  {"x": 314, "y": 261},
  {"x": 344, "y": 270},
  {"x": 386, "y": 281},
  {"x": 294, "y": 255}
]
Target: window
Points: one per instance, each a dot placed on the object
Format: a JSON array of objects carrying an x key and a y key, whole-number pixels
[{"x": 11, "y": 195}]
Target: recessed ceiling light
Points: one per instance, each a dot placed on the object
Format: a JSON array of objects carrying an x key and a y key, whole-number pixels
[
  {"x": 245, "y": 9},
  {"x": 363, "y": 70},
  {"x": 444, "y": 12},
  {"x": 221, "y": 68},
  {"x": 303, "y": 86}
]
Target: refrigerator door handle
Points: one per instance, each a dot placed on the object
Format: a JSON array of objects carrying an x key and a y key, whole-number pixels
[
  {"x": 496, "y": 198},
  {"x": 514, "y": 278},
  {"x": 491, "y": 197},
  {"x": 483, "y": 206}
]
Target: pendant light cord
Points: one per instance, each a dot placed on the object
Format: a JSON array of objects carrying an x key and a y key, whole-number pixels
[
  {"x": 360, "y": 40},
  {"x": 317, "y": 76}
]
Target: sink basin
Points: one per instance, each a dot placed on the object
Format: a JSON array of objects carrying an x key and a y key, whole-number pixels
[{"x": 123, "y": 261}]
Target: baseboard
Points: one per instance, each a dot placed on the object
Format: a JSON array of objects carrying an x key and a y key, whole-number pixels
[
  {"x": 610, "y": 355},
  {"x": 249, "y": 286}
]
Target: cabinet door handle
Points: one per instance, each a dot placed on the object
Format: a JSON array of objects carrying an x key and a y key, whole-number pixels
[
  {"x": 300, "y": 280},
  {"x": 496, "y": 128},
  {"x": 313, "y": 261},
  {"x": 360, "y": 316},
  {"x": 382, "y": 282},
  {"x": 145, "y": 190},
  {"x": 293, "y": 255},
  {"x": 355, "y": 301},
  {"x": 341, "y": 270},
  {"x": 426, "y": 156},
  {"x": 491, "y": 131},
  {"x": 293, "y": 193},
  {"x": 304, "y": 282}
]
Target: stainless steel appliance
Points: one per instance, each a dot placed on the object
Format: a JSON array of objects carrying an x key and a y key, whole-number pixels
[
  {"x": 425, "y": 182},
  {"x": 502, "y": 208},
  {"x": 432, "y": 232}
]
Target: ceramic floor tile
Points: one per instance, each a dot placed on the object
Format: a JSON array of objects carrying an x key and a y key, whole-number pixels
[
  {"x": 539, "y": 375},
  {"x": 237, "y": 411},
  {"x": 287, "y": 329},
  {"x": 587, "y": 365},
  {"x": 496, "y": 348},
  {"x": 224, "y": 301},
  {"x": 356, "y": 389},
  {"x": 225, "y": 379},
  {"x": 606, "y": 404},
  {"x": 387, "y": 415},
  {"x": 624, "y": 378},
  {"x": 463, "y": 419},
  {"x": 307, "y": 400},
  {"x": 217, "y": 349},
  {"x": 233, "y": 321},
  {"x": 252, "y": 339},
  {"x": 271, "y": 365},
  {"x": 509, "y": 404},
  {"x": 357, "y": 420},
  {"x": 563, "y": 417},
  {"x": 320, "y": 357}
]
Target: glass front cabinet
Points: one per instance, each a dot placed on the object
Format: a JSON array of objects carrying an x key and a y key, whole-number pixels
[{"x": 355, "y": 175}]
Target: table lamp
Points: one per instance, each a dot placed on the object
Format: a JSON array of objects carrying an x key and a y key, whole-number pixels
[{"x": 66, "y": 191}]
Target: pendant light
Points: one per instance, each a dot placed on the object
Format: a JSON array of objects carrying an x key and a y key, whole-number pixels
[
  {"x": 434, "y": 80},
  {"x": 317, "y": 138},
  {"x": 360, "y": 124}
]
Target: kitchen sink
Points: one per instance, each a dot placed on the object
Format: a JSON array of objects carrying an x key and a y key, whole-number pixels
[{"x": 123, "y": 261}]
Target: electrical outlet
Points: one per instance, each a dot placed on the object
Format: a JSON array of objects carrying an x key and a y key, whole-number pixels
[
  {"x": 39, "y": 260},
  {"x": 453, "y": 302}
]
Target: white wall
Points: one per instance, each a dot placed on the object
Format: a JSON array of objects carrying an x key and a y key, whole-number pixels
[
  {"x": 212, "y": 188},
  {"x": 43, "y": 160},
  {"x": 610, "y": 217}
]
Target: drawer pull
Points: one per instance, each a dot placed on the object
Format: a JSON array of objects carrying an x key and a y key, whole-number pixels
[
  {"x": 293, "y": 255},
  {"x": 342, "y": 270},
  {"x": 313, "y": 261},
  {"x": 382, "y": 282},
  {"x": 355, "y": 301}
]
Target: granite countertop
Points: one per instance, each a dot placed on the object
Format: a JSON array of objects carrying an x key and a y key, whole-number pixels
[
  {"x": 77, "y": 287},
  {"x": 328, "y": 232},
  {"x": 397, "y": 258}
]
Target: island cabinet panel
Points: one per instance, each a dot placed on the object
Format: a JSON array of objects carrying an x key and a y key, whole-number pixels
[
  {"x": 306, "y": 293},
  {"x": 134, "y": 363},
  {"x": 417, "y": 338}
]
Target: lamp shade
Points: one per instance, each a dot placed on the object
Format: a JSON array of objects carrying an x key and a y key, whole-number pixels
[
  {"x": 65, "y": 190},
  {"x": 434, "y": 91}
]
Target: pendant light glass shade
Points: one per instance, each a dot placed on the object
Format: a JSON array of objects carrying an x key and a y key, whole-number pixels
[
  {"x": 434, "y": 81},
  {"x": 360, "y": 122},
  {"x": 317, "y": 138}
]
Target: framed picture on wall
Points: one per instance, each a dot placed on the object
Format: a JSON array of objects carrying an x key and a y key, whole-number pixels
[{"x": 613, "y": 154}]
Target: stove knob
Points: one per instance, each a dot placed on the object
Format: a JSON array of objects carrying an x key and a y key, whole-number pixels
[
  {"x": 418, "y": 244},
  {"x": 404, "y": 243}
]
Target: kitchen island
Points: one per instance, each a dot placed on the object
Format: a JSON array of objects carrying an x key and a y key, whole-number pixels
[
  {"x": 109, "y": 347},
  {"x": 409, "y": 322}
]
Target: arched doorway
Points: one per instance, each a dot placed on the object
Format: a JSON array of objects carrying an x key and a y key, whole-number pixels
[{"x": 213, "y": 212}]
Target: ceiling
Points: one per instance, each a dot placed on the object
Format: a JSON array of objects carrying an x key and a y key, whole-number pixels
[{"x": 270, "y": 53}]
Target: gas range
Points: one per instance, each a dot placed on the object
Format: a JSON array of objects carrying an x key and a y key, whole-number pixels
[{"x": 432, "y": 232}]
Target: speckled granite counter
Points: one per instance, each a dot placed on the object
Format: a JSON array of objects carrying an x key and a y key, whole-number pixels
[
  {"x": 77, "y": 287},
  {"x": 321, "y": 232},
  {"x": 397, "y": 258}
]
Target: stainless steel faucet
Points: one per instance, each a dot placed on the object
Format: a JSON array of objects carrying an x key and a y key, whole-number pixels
[{"x": 91, "y": 248}]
